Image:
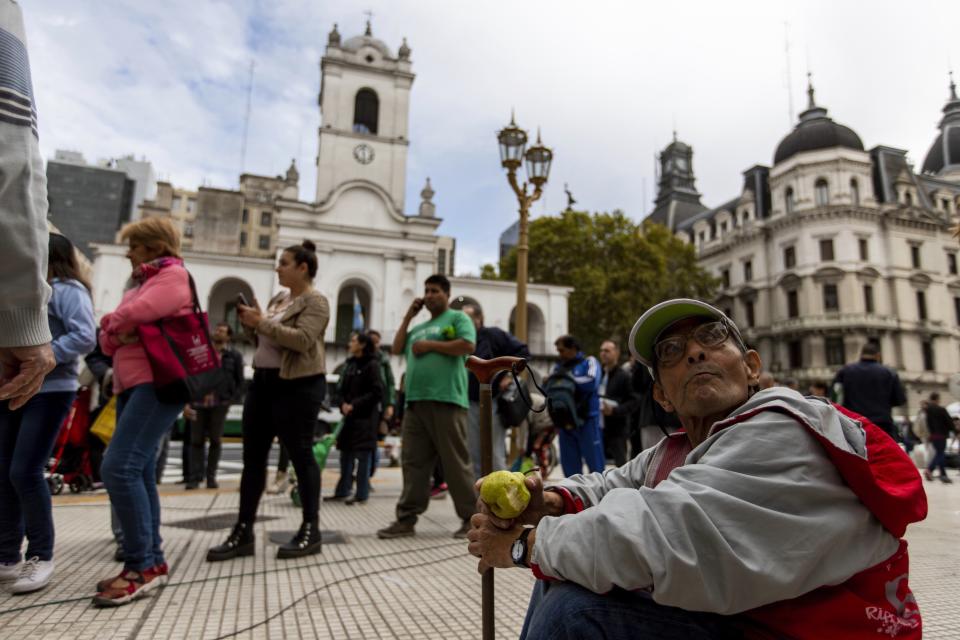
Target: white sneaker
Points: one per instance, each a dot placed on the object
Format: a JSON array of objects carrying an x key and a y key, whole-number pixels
[
  {"x": 35, "y": 574},
  {"x": 9, "y": 572}
]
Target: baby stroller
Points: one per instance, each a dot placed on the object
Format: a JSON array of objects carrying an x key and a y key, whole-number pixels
[{"x": 70, "y": 464}]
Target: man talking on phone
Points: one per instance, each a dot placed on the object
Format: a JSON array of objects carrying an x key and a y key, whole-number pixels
[{"x": 435, "y": 415}]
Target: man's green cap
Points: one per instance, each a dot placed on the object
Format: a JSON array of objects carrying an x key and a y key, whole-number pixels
[{"x": 651, "y": 324}]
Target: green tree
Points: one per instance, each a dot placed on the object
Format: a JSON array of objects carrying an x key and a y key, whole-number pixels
[
  {"x": 489, "y": 272},
  {"x": 618, "y": 270}
]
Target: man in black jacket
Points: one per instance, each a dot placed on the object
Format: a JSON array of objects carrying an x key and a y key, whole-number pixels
[
  {"x": 491, "y": 343},
  {"x": 940, "y": 425},
  {"x": 209, "y": 416},
  {"x": 870, "y": 389},
  {"x": 618, "y": 403}
]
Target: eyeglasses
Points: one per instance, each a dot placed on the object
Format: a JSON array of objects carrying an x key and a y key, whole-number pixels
[{"x": 711, "y": 335}]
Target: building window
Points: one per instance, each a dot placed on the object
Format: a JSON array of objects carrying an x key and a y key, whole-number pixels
[
  {"x": 915, "y": 255},
  {"x": 748, "y": 271},
  {"x": 725, "y": 278},
  {"x": 702, "y": 237},
  {"x": 188, "y": 230},
  {"x": 264, "y": 242},
  {"x": 748, "y": 306},
  {"x": 952, "y": 263},
  {"x": 864, "y": 249},
  {"x": 789, "y": 257},
  {"x": 788, "y": 198},
  {"x": 956, "y": 309},
  {"x": 854, "y": 192},
  {"x": 723, "y": 227},
  {"x": 266, "y": 218},
  {"x": 243, "y": 239},
  {"x": 831, "y": 302},
  {"x": 795, "y": 354},
  {"x": 442, "y": 261},
  {"x": 834, "y": 348},
  {"x": 175, "y": 203},
  {"x": 826, "y": 250},
  {"x": 821, "y": 193},
  {"x": 793, "y": 304},
  {"x": 246, "y": 217},
  {"x": 191, "y": 205},
  {"x": 366, "y": 107},
  {"x": 928, "y": 363},
  {"x": 908, "y": 198},
  {"x": 868, "y": 298},
  {"x": 921, "y": 305}
]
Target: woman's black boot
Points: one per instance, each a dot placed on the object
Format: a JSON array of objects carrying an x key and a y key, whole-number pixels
[
  {"x": 240, "y": 542},
  {"x": 306, "y": 542}
]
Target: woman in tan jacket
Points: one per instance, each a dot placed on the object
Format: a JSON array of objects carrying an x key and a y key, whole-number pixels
[{"x": 283, "y": 400}]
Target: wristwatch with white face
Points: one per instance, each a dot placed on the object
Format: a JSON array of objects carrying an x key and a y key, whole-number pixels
[{"x": 518, "y": 552}]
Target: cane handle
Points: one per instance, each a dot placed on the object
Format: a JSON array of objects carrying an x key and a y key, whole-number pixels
[{"x": 486, "y": 369}]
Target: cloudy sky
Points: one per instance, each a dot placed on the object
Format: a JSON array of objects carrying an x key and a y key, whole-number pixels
[{"x": 607, "y": 81}]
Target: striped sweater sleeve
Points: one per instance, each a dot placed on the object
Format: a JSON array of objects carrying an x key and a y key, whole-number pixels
[{"x": 24, "y": 291}]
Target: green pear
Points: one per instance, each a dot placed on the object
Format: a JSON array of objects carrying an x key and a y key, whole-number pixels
[{"x": 505, "y": 493}]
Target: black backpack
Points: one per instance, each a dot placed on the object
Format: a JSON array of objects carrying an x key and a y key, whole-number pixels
[{"x": 560, "y": 390}]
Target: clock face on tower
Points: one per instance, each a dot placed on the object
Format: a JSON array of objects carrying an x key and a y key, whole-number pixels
[
  {"x": 363, "y": 153},
  {"x": 681, "y": 163}
]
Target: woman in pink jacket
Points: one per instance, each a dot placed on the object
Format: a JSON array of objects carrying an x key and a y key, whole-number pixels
[{"x": 158, "y": 288}]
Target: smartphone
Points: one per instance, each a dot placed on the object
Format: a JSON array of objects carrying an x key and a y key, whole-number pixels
[{"x": 242, "y": 299}]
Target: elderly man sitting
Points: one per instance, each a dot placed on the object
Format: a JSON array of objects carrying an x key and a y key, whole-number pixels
[{"x": 770, "y": 515}]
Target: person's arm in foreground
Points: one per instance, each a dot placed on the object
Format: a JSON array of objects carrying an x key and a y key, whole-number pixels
[{"x": 25, "y": 352}]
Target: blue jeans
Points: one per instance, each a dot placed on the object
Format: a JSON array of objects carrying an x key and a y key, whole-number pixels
[
  {"x": 584, "y": 444},
  {"x": 363, "y": 459},
  {"x": 27, "y": 437},
  {"x": 129, "y": 472},
  {"x": 567, "y": 611},
  {"x": 939, "y": 456}
]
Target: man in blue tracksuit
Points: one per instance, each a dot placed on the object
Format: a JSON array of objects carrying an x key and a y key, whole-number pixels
[{"x": 584, "y": 444}]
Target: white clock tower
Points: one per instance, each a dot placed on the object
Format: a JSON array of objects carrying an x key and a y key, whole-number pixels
[{"x": 364, "y": 107}]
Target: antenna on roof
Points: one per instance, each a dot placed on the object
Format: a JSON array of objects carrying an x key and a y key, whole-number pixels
[
  {"x": 246, "y": 121},
  {"x": 786, "y": 52}
]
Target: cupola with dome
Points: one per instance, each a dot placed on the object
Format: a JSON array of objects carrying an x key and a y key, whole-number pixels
[
  {"x": 944, "y": 155},
  {"x": 814, "y": 131}
]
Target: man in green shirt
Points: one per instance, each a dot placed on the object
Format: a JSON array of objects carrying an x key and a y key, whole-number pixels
[{"x": 435, "y": 415}]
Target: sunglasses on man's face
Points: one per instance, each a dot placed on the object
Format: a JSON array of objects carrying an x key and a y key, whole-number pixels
[{"x": 711, "y": 335}]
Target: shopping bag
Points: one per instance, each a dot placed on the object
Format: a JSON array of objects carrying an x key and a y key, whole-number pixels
[
  {"x": 321, "y": 448},
  {"x": 106, "y": 422},
  {"x": 184, "y": 364}
]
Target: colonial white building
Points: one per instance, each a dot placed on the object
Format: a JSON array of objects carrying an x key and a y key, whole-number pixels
[
  {"x": 834, "y": 246},
  {"x": 370, "y": 251}
]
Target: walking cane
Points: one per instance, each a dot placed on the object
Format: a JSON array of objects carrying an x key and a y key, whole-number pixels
[{"x": 485, "y": 370}]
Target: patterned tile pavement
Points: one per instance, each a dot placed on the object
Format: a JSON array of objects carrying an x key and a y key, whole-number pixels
[{"x": 359, "y": 587}]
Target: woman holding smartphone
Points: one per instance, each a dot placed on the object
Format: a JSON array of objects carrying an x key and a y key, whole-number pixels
[{"x": 283, "y": 400}]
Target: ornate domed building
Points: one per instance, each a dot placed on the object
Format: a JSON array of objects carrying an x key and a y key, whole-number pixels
[{"x": 834, "y": 246}]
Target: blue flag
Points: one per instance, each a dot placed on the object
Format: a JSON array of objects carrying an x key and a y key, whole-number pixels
[{"x": 357, "y": 313}]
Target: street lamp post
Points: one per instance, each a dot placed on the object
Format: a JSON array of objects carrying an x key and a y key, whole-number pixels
[{"x": 513, "y": 140}]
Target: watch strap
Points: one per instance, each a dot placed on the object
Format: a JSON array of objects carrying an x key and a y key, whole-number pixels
[{"x": 522, "y": 542}]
